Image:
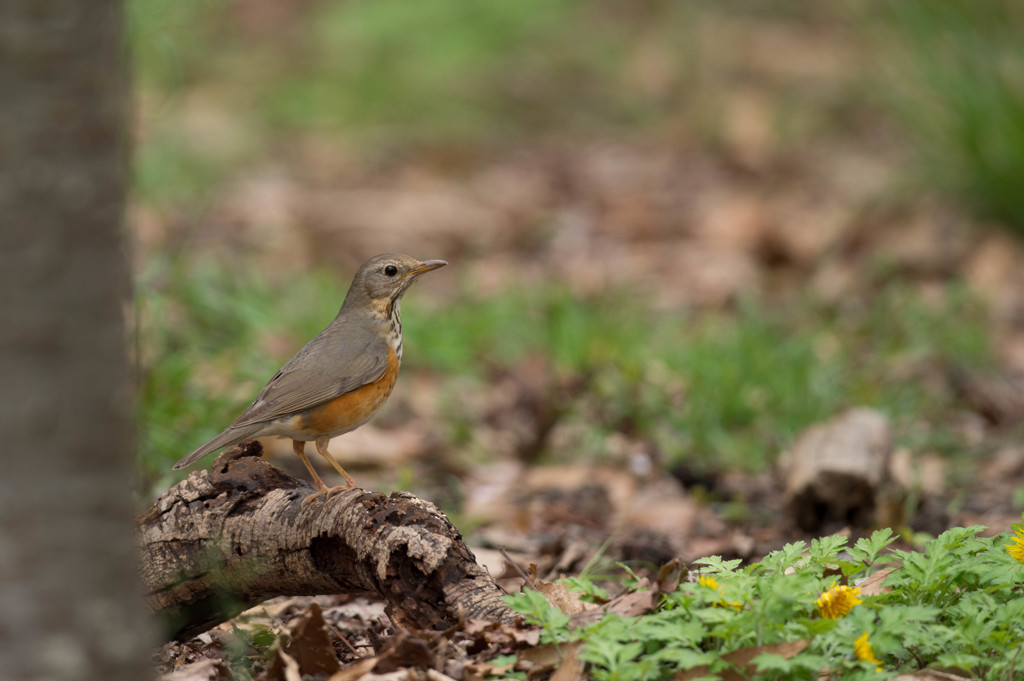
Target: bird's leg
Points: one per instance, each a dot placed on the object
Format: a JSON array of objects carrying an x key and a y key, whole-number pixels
[
  {"x": 321, "y": 447},
  {"x": 321, "y": 488}
]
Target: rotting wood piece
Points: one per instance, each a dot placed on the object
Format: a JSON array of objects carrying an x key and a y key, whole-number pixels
[
  {"x": 837, "y": 472},
  {"x": 228, "y": 538}
]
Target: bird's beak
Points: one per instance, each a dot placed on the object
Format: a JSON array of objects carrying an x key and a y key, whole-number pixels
[{"x": 426, "y": 266}]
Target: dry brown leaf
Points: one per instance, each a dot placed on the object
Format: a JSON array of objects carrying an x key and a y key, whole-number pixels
[
  {"x": 502, "y": 633},
  {"x": 478, "y": 671},
  {"x": 545, "y": 658},
  {"x": 397, "y": 675},
  {"x": 290, "y": 667},
  {"x": 872, "y": 586},
  {"x": 406, "y": 650},
  {"x": 356, "y": 670},
  {"x": 742, "y": 659},
  {"x": 571, "y": 668},
  {"x": 561, "y": 597},
  {"x": 434, "y": 675},
  {"x": 203, "y": 670},
  {"x": 669, "y": 576},
  {"x": 641, "y": 600},
  {"x": 358, "y": 610},
  {"x": 310, "y": 646},
  {"x": 930, "y": 675},
  {"x": 633, "y": 604},
  {"x": 529, "y": 636}
]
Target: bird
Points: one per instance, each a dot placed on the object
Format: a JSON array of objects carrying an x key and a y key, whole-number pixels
[{"x": 338, "y": 380}]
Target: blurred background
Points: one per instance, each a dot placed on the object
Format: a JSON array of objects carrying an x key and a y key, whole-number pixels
[{"x": 679, "y": 234}]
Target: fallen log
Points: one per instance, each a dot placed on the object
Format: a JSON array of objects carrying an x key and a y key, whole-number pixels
[{"x": 230, "y": 537}]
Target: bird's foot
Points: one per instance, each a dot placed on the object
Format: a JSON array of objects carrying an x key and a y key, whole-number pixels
[
  {"x": 316, "y": 495},
  {"x": 341, "y": 488},
  {"x": 327, "y": 492}
]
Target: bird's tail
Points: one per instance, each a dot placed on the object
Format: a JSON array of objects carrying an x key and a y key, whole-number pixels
[{"x": 231, "y": 436}]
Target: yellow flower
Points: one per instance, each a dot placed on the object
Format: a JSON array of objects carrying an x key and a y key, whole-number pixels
[
  {"x": 711, "y": 582},
  {"x": 862, "y": 648},
  {"x": 1016, "y": 549},
  {"x": 838, "y": 601}
]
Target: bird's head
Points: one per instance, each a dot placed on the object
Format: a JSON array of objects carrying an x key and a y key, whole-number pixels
[{"x": 384, "y": 278}]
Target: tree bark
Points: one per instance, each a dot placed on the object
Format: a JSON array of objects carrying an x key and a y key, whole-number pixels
[
  {"x": 226, "y": 539},
  {"x": 70, "y": 608}
]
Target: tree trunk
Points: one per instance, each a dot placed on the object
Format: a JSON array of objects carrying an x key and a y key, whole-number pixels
[
  {"x": 225, "y": 539},
  {"x": 68, "y": 609}
]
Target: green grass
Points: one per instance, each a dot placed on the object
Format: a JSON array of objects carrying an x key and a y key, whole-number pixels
[
  {"x": 953, "y": 72},
  {"x": 216, "y": 97},
  {"x": 723, "y": 389},
  {"x": 731, "y": 387},
  {"x": 393, "y": 71}
]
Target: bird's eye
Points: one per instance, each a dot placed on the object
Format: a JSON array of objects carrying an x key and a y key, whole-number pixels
[{"x": 391, "y": 270}]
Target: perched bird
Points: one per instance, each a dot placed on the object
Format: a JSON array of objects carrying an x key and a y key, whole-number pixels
[{"x": 336, "y": 382}]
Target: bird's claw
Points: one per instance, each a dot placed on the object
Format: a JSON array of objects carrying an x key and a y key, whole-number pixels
[
  {"x": 340, "y": 488},
  {"x": 316, "y": 495}
]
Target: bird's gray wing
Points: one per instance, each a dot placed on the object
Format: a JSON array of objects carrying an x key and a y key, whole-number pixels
[{"x": 330, "y": 365}]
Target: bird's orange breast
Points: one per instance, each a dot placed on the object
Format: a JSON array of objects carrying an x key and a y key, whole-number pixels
[{"x": 353, "y": 409}]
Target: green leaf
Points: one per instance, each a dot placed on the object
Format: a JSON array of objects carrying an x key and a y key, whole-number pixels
[
  {"x": 866, "y": 549},
  {"x": 825, "y": 549}
]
